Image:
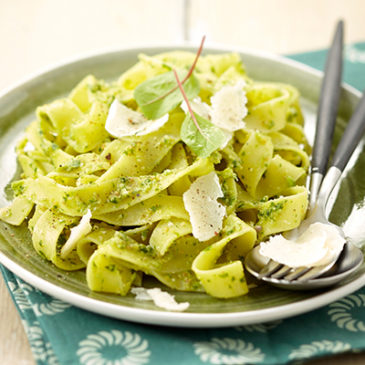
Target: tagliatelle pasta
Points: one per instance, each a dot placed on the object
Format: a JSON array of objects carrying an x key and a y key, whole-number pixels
[{"x": 133, "y": 186}]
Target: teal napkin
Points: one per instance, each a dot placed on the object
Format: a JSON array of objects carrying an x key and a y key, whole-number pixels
[
  {"x": 62, "y": 334},
  {"x": 354, "y": 63}
]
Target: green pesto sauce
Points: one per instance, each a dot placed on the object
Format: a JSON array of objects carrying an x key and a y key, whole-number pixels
[{"x": 270, "y": 212}]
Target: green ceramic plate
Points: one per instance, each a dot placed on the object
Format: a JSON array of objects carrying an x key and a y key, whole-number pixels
[{"x": 263, "y": 303}]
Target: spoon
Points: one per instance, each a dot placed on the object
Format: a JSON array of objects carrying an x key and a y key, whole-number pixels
[
  {"x": 326, "y": 120},
  {"x": 348, "y": 262},
  {"x": 351, "y": 257}
]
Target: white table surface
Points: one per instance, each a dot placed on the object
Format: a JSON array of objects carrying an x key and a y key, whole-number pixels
[{"x": 38, "y": 33}]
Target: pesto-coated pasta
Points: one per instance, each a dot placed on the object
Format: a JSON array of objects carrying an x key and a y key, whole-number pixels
[{"x": 134, "y": 186}]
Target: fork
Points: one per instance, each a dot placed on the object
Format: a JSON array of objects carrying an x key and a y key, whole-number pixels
[
  {"x": 349, "y": 141},
  {"x": 326, "y": 118}
]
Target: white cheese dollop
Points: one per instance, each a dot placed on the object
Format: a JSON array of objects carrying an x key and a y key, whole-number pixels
[
  {"x": 160, "y": 298},
  {"x": 77, "y": 232},
  {"x": 206, "y": 213},
  {"x": 123, "y": 121},
  {"x": 318, "y": 245},
  {"x": 229, "y": 107}
]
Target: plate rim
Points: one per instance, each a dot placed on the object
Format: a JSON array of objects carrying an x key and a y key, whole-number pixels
[
  {"x": 214, "y": 46},
  {"x": 183, "y": 319},
  {"x": 159, "y": 316}
]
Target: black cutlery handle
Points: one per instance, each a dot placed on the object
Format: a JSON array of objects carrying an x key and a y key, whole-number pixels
[
  {"x": 328, "y": 103},
  {"x": 351, "y": 136}
]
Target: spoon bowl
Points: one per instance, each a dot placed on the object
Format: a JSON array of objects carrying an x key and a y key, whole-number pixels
[{"x": 349, "y": 261}]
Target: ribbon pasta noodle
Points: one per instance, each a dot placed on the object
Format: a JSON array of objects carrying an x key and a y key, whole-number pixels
[{"x": 133, "y": 186}]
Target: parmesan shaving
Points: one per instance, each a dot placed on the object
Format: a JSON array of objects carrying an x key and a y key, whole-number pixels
[
  {"x": 123, "y": 121},
  {"x": 77, "y": 232},
  {"x": 319, "y": 245},
  {"x": 199, "y": 107},
  {"x": 161, "y": 299},
  {"x": 28, "y": 147},
  {"x": 206, "y": 213},
  {"x": 354, "y": 227},
  {"x": 229, "y": 107},
  {"x": 205, "y": 111}
]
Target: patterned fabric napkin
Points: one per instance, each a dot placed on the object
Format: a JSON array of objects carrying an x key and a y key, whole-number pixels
[{"x": 59, "y": 333}]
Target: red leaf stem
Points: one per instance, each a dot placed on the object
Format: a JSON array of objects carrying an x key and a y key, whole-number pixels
[
  {"x": 180, "y": 86},
  {"x": 192, "y": 67}
]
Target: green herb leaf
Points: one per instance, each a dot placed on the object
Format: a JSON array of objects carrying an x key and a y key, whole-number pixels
[
  {"x": 197, "y": 132},
  {"x": 202, "y": 142},
  {"x": 152, "y": 90}
]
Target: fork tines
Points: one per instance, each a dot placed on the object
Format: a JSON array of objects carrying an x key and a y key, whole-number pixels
[{"x": 275, "y": 270}]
